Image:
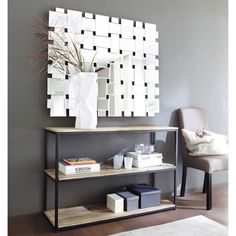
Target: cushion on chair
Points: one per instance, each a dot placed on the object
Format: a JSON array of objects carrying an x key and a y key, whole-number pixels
[{"x": 208, "y": 144}]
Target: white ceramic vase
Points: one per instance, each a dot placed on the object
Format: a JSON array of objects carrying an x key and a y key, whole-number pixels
[{"x": 85, "y": 92}]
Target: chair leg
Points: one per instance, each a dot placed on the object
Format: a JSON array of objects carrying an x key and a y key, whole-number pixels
[
  {"x": 183, "y": 185},
  {"x": 204, "y": 189},
  {"x": 209, "y": 191}
]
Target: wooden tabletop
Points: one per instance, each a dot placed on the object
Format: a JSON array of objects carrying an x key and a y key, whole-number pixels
[{"x": 111, "y": 129}]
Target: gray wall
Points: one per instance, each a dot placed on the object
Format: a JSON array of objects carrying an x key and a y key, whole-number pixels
[{"x": 193, "y": 72}]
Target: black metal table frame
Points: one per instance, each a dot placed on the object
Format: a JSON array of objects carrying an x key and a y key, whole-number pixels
[{"x": 56, "y": 180}]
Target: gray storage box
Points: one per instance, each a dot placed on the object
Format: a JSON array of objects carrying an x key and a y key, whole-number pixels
[
  {"x": 148, "y": 195},
  {"x": 131, "y": 201}
]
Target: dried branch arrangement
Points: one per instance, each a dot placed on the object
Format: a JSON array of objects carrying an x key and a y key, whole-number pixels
[{"x": 59, "y": 50}]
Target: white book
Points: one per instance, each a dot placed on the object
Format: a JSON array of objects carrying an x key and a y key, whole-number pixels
[{"x": 78, "y": 169}]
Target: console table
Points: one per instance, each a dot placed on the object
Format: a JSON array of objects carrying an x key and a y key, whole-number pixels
[{"x": 67, "y": 218}]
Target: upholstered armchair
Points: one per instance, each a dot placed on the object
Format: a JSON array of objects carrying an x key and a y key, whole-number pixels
[{"x": 194, "y": 119}]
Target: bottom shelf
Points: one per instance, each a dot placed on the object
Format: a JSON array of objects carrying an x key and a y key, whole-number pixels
[{"x": 82, "y": 215}]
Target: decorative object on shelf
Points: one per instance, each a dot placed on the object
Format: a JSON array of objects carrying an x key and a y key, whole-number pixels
[
  {"x": 139, "y": 148},
  {"x": 131, "y": 201},
  {"x": 84, "y": 89},
  {"x": 145, "y": 160},
  {"x": 144, "y": 149},
  {"x": 127, "y": 63},
  {"x": 148, "y": 149},
  {"x": 118, "y": 161},
  {"x": 115, "y": 203},
  {"x": 128, "y": 162},
  {"x": 68, "y": 169},
  {"x": 149, "y": 196}
]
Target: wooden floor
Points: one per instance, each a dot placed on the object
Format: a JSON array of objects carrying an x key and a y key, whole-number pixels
[{"x": 191, "y": 205}]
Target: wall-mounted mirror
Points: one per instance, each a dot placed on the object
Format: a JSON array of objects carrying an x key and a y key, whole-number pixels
[{"x": 126, "y": 58}]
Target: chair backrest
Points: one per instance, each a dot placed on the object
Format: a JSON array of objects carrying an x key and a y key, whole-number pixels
[{"x": 191, "y": 118}]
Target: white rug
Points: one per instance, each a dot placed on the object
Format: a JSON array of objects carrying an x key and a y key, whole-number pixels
[{"x": 193, "y": 226}]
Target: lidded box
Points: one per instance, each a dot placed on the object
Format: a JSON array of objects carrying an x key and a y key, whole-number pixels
[
  {"x": 149, "y": 196},
  {"x": 115, "y": 203},
  {"x": 131, "y": 201}
]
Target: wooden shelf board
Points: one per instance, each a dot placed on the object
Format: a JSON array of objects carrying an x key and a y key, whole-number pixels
[
  {"x": 108, "y": 170},
  {"x": 110, "y": 129},
  {"x": 80, "y": 215}
]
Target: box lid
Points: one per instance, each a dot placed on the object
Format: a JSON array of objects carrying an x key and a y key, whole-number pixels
[
  {"x": 143, "y": 189},
  {"x": 135, "y": 155},
  {"x": 127, "y": 195},
  {"x": 114, "y": 196}
]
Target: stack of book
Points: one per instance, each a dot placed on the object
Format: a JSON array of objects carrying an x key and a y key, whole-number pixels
[
  {"x": 78, "y": 165},
  {"x": 146, "y": 160}
]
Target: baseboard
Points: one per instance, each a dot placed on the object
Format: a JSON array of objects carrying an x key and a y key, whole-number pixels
[{"x": 25, "y": 216}]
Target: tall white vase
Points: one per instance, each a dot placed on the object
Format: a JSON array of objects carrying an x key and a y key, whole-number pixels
[{"x": 85, "y": 92}]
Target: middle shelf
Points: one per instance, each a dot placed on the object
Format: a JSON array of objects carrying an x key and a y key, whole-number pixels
[{"x": 108, "y": 170}]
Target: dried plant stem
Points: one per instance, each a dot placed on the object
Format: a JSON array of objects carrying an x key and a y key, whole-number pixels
[{"x": 60, "y": 50}]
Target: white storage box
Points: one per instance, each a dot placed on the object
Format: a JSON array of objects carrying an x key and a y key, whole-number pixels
[
  {"x": 146, "y": 160},
  {"x": 143, "y": 156},
  {"x": 155, "y": 161},
  {"x": 115, "y": 203}
]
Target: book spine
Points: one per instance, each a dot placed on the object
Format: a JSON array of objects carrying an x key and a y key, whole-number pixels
[{"x": 79, "y": 169}]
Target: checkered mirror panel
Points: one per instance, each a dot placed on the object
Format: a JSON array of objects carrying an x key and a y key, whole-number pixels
[{"x": 125, "y": 54}]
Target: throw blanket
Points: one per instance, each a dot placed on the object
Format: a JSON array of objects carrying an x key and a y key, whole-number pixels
[{"x": 203, "y": 142}]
